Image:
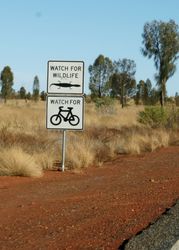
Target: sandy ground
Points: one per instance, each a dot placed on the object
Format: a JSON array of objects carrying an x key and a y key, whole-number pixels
[{"x": 96, "y": 209}]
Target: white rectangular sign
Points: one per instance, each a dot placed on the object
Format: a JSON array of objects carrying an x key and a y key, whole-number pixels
[
  {"x": 65, "y": 112},
  {"x": 65, "y": 77}
]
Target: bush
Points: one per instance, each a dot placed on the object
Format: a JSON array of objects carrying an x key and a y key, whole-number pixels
[
  {"x": 177, "y": 101},
  {"x": 15, "y": 161},
  {"x": 154, "y": 117},
  {"x": 173, "y": 118},
  {"x": 104, "y": 101}
]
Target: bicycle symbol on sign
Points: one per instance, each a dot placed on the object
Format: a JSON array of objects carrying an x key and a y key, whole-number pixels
[{"x": 70, "y": 117}]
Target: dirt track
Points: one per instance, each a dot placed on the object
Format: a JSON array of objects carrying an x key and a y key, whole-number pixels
[{"x": 96, "y": 209}]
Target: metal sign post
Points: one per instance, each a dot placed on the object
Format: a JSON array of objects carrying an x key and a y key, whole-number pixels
[{"x": 63, "y": 150}]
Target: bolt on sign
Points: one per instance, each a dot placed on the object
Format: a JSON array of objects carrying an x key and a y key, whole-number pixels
[
  {"x": 65, "y": 112},
  {"x": 65, "y": 77}
]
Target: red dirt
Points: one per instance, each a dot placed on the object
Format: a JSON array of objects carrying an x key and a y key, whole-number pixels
[{"x": 96, "y": 209}]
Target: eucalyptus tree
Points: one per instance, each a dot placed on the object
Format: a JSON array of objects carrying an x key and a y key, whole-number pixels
[
  {"x": 161, "y": 41},
  {"x": 22, "y": 93},
  {"x": 143, "y": 93},
  {"x": 123, "y": 83},
  {"x": 100, "y": 72},
  {"x": 36, "y": 88},
  {"x": 43, "y": 95},
  {"x": 140, "y": 92},
  {"x": 6, "y": 82}
]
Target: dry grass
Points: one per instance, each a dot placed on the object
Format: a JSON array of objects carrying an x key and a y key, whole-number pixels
[
  {"x": 80, "y": 151},
  {"x": 147, "y": 140},
  {"x": 111, "y": 117},
  {"x": 27, "y": 147},
  {"x": 15, "y": 161},
  {"x": 44, "y": 160}
]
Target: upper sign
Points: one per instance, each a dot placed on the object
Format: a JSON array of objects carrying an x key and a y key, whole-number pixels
[{"x": 65, "y": 77}]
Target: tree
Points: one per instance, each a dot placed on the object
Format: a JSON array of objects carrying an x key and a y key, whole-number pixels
[
  {"x": 122, "y": 81},
  {"x": 147, "y": 91},
  {"x": 28, "y": 96},
  {"x": 177, "y": 99},
  {"x": 140, "y": 92},
  {"x": 161, "y": 41},
  {"x": 36, "y": 88},
  {"x": 22, "y": 93},
  {"x": 143, "y": 93},
  {"x": 154, "y": 96},
  {"x": 6, "y": 82},
  {"x": 43, "y": 95},
  {"x": 13, "y": 94},
  {"x": 100, "y": 72}
]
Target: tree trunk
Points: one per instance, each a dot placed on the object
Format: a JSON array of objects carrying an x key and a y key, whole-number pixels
[
  {"x": 99, "y": 91},
  {"x": 162, "y": 94},
  {"x": 122, "y": 96},
  {"x": 162, "y": 99}
]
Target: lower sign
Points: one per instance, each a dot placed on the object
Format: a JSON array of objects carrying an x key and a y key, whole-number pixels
[{"x": 65, "y": 112}]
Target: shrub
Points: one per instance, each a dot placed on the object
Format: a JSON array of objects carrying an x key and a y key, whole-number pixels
[
  {"x": 154, "y": 117},
  {"x": 173, "y": 118},
  {"x": 44, "y": 160},
  {"x": 177, "y": 100},
  {"x": 14, "y": 161},
  {"x": 104, "y": 101},
  {"x": 82, "y": 153}
]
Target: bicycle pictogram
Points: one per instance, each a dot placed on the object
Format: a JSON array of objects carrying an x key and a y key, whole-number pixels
[{"x": 70, "y": 117}]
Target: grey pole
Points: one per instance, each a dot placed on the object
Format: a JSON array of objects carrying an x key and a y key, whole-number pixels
[{"x": 63, "y": 150}]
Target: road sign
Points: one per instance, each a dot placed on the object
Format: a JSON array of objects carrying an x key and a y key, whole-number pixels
[
  {"x": 65, "y": 112},
  {"x": 65, "y": 77}
]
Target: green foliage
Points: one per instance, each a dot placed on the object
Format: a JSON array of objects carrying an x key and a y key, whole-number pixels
[
  {"x": 153, "y": 116},
  {"x": 100, "y": 72},
  {"x": 154, "y": 96},
  {"x": 103, "y": 101},
  {"x": 156, "y": 117},
  {"x": 145, "y": 94},
  {"x": 6, "y": 82},
  {"x": 173, "y": 118},
  {"x": 161, "y": 41},
  {"x": 36, "y": 88},
  {"x": 177, "y": 99},
  {"x": 22, "y": 93},
  {"x": 28, "y": 96},
  {"x": 140, "y": 93},
  {"x": 122, "y": 81},
  {"x": 43, "y": 95}
]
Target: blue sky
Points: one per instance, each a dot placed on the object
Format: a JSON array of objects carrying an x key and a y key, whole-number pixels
[{"x": 35, "y": 31}]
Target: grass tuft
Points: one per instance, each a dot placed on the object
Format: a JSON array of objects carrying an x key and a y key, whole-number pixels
[{"x": 16, "y": 162}]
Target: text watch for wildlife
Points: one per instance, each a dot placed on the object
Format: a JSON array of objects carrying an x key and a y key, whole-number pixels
[{"x": 65, "y": 77}]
